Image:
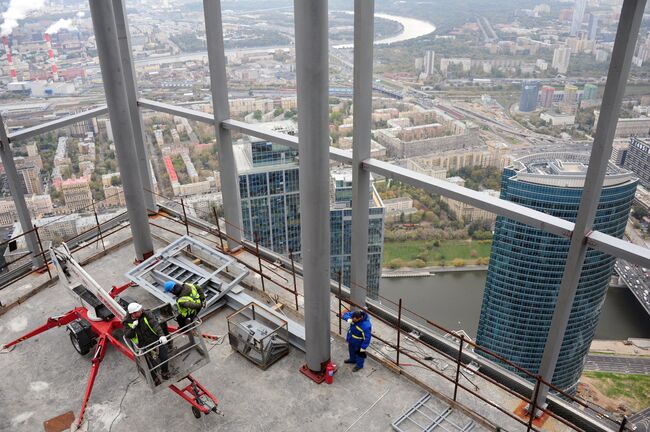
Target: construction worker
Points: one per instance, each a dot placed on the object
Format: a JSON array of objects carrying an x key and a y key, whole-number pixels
[
  {"x": 143, "y": 329},
  {"x": 189, "y": 300},
  {"x": 358, "y": 337}
]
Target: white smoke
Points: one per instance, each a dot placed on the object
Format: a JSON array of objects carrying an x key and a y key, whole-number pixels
[
  {"x": 62, "y": 24},
  {"x": 17, "y": 10}
]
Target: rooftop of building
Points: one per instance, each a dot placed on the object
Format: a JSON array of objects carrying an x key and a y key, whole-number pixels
[{"x": 564, "y": 170}]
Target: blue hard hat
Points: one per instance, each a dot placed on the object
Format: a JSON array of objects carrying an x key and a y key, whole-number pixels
[{"x": 169, "y": 286}]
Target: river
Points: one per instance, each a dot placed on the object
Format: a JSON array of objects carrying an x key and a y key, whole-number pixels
[
  {"x": 453, "y": 300},
  {"x": 411, "y": 28}
]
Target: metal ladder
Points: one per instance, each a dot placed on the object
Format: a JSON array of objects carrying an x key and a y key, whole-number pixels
[{"x": 422, "y": 417}]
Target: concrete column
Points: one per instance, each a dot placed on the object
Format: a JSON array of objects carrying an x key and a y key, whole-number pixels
[
  {"x": 312, "y": 76},
  {"x": 115, "y": 88},
  {"x": 126, "y": 53},
  {"x": 219, "y": 88},
  {"x": 364, "y": 11},
  {"x": 15, "y": 187},
  {"x": 619, "y": 68}
]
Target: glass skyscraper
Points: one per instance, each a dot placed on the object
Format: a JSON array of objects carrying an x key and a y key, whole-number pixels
[
  {"x": 526, "y": 264},
  {"x": 270, "y": 200},
  {"x": 529, "y": 94}
]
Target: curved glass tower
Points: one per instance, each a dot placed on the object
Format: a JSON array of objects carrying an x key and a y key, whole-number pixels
[{"x": 526, "y": 264}]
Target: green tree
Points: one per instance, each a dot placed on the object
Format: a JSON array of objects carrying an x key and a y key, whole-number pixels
[{"x": 257, "y": 115}]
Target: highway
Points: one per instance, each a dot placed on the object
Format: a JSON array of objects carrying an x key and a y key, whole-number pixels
[
  {"x": 618, "y": 364},
  {"x": 641, "y": 420},
  {"x": 636, "y": 279}
]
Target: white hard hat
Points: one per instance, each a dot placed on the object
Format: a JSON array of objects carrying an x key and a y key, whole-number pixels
[{"x": 134, "y": 307}]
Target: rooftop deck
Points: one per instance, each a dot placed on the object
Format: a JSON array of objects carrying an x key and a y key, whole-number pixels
[{"x": 45, "y": 377}]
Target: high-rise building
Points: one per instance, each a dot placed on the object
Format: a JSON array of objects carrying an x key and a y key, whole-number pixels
[
  {"x": 592, "y": 32},
  {"x": 578, "y": 16},
  {"x": 76, "y": 194},
  {"x": 526, "y": 264},
  {"x": 528, "y": 99},
  {"x": 637, "y": 159},
  {"x": 546, "y": 96},
  {"x": 429, "y": 59},
  {"x": 269, "y": 191},
  {"x": 561, "y": 59},
  {"x": 590, "y": 92}
]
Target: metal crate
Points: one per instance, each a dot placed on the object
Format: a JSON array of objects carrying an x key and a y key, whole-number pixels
[{"x": 257, "y": 334}]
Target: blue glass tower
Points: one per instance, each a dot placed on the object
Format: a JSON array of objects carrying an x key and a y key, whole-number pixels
[
  {"x": 270, "y": 200},
  {"x": 526, "y": 264},
  {"x": 528, "y": 99}
]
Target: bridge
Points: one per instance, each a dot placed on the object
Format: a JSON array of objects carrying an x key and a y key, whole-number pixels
[{"x": 635, "y": 278}]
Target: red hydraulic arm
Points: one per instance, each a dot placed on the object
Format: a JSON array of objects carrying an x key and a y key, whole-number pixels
[
  {"x": 51, "y": 323},
  {"x": 100, "y": 350}
]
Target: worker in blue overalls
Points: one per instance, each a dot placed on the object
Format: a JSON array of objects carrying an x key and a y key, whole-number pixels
[{"x": 358, "y": 337}]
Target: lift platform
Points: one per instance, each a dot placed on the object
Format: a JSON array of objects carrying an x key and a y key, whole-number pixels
[{"x": 97, "y": 322}]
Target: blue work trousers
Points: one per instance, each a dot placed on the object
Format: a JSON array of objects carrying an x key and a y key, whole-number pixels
[{"x": 354, "y": 346}]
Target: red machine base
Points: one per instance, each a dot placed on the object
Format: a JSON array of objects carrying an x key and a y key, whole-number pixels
[{"x": 317, "y": 377}]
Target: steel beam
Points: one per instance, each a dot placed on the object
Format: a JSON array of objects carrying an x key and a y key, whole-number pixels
[
  {"x": 15, "y": 187},
  {"x": 29, "y": 132},
  {"x": 219, "y": 88},
  {"x": 619, "y": 68},
  {"x": 188, "y": 113},
  {"x": 124, "y": 39},
  {"x": 364, "y": 15},
  {"x": 110, "y": 62},
  {"x": 312, "y": 77}
]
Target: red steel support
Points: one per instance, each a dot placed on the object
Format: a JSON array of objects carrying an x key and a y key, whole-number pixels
[
  {"x": 51, "y": 323},
  {"x": 96, "y": 362}
]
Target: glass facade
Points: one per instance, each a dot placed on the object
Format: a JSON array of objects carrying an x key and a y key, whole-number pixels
[
  {"x": 525, "y": 271},
  {"x": 270, "y": 203}
]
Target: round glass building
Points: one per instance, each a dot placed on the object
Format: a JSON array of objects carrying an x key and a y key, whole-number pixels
[{"x": 526, "y": 264}]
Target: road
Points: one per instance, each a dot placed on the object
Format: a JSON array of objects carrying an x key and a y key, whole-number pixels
[
  {"x": 618, "y": 364},
  {"x": 641, "y": 420}
]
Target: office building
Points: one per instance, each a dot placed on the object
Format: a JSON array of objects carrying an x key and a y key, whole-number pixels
[
  {"x": 561, "y": 59},
  {"x": 528, "y": 99},
  {"x": 268, "y": 187},
  {"x": 429, "y": 59},
  {"x": 637, "y": 159},
  {"x": 578, "y": 16},
  {"x": 627, "y": 127},
  {"x": 590, "y": 92},
  {"x": 526, "y": 264},
  {"x": 593, "y": 27},
  {"x": 546, "y": 96},
  {"x": 76, "y": 194}
]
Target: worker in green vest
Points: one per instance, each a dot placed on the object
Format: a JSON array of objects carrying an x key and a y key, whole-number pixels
[
  {"x": 189, "y": 300},
  {"x": 144, "y": 330}
]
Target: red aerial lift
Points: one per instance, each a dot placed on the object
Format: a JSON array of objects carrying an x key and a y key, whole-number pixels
[{"x": 98, "y": 322}]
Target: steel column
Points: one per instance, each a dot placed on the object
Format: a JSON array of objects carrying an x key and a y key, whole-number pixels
[
  {"x": 219, "y": 88},
  {"x": 126, "y": 53},
  {"x": 13, "y": 179},
  {"x": 364, "y": 11},
  {"x": 312, "y": 76},
  {"x": 118, "y": 110},
  {"x": 619, "y": 68}
]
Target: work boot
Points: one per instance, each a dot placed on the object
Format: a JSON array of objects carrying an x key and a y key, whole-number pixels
[
  {"x": 356, "y": 369},
  {"x": 349, "y": 361}
]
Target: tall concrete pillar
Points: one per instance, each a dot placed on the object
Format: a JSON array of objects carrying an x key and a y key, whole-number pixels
[
  {"x": 219, "y": 88},
  {"x": 619, "y": 68},
  {"x": 115, "y": 88},
  {"x": 126, "y": 53},
  {"x": 312, "y": 76},
  {"x": 364, "y": 11},
  {"x": 15, "y": 187}
]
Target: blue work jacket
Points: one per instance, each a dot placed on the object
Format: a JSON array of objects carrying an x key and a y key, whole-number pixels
[{"x": 359, "y": 332}]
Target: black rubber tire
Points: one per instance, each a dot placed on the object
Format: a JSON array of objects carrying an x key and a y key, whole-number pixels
[
  {"x": 197, "y": 412},
  {"x": 81, "y": 348}
]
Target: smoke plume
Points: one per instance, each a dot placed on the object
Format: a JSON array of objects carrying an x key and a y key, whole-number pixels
[
  {"x": 62, "y": 24},
  {"x": 17, "y": 10}
]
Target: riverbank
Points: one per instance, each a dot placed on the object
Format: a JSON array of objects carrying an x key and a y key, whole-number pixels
[{"x": 428, "y": 271}]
